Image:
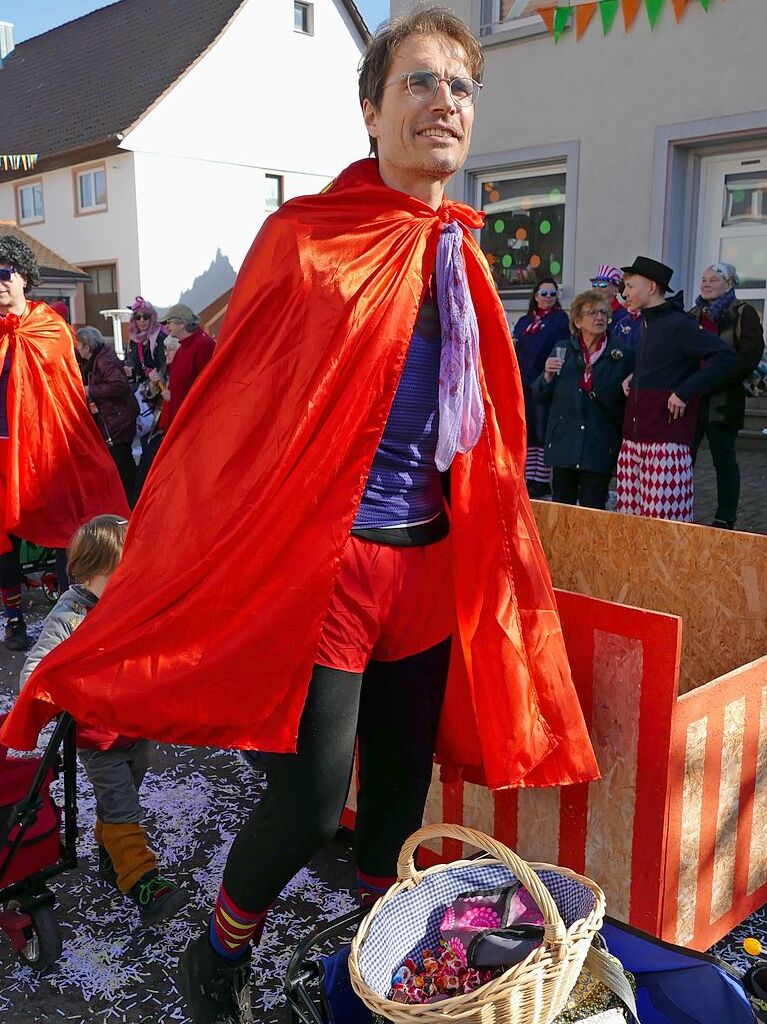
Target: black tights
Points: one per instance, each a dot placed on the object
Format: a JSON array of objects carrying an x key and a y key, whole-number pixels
[{"x": 392, "y": 710}]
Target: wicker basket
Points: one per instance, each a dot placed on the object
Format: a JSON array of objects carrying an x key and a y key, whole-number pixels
[{"x": 405, "y": 920}]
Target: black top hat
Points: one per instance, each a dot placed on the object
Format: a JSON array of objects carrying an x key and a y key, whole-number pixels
[{"x": 652, "y": 270}]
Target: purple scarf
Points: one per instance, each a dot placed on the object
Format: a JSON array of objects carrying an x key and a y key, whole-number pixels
[{"x": 461, "y": 412}]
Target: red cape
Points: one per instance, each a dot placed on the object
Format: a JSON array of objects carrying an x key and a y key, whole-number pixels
[
  {"x": 58, "y": 472},
  {"x": 208, "y": 630}
]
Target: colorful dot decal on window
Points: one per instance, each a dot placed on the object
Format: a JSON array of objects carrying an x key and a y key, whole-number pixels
[
  {"x": 555, "y": 266},
  {"x": 545, "y": 227},
  {"x": 520, "y": 234},
  {"x": 555, "y": 194},
  {"x": 525, "y": 202},
  {"x": 738, "y": 194},
  {"x": 506, "y": 261},
  {"x": 535, "y": 261},
  {"x": 495, "y": 195},
  {"x": 488, "y": 186},
  {"x": 499, "y": 226}
]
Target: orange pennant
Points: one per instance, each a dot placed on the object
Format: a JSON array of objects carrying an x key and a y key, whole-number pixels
[
  {"x": 547, "y": 14},
  {"x": 630, "y": 11},
  {"x": 679, "y": 6},
  {"x": 583, "y": 15}
]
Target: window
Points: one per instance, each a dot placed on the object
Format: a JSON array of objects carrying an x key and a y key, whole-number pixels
[
  {"x": 100, "y": 292},
  {"x": 272, "y": 192},
  {"x": 523, "y": 236},
  {"x": 498, "y": 15},
  {"x": 29, "y": 203},
  {"x": 91, "y": 189},
  {"x": 303, "y": 18}
]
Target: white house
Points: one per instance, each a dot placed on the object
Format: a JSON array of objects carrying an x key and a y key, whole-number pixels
[{"x": 166, "y": 133}]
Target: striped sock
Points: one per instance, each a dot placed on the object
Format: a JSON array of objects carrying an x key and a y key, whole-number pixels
[
  {"x": 11, "y": 601},
  {"x": 373, "y": 886},
  {"x": 231, "y": 929}
]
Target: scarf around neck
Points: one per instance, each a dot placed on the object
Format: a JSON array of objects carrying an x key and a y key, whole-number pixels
[{"x": 718, "y": 311}]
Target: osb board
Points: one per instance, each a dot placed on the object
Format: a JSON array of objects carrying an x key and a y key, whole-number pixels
[{"x": 714, "y": 580}]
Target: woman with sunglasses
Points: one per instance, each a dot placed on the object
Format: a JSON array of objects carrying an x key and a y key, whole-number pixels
[
  {"x": 535, "y": 334},
  {"x": 145, "y": 348}
]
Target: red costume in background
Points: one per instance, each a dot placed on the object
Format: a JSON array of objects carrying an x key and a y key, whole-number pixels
[
  {"x": 255, "y": 491},
  {"x": 55, "y": 470}
]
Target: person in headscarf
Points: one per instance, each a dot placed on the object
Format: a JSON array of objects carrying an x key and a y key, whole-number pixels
[
  {"x": 146, "y": 350},
  {"x": 722, "y": 412}
]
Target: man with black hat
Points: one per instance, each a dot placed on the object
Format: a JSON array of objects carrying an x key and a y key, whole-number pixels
[{"x": 676, "y": 362}]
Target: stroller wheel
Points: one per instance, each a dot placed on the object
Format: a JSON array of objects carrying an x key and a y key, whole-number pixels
[
  {"x": 43, "y": 945},
  {"x": 50, "y": 584}
]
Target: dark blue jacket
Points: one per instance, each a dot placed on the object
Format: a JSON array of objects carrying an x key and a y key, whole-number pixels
[
  {"x": 534, "y": 349},
  {"x": 673, "y": 355},
  {"x": 584, "y": 432},
  {"x": 625, "y": 327}
]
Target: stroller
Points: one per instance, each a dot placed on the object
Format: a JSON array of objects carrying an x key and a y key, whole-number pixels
[
  {"x": 32, "y": 849},
  {"x": 38, "y": 568}
]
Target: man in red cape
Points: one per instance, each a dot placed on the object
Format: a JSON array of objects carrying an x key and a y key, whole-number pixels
[
  {"x": 55, "y": 470},
  {"x": 307, "y": 575}
]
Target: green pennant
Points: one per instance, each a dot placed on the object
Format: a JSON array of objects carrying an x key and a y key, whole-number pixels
[
  {"x": 607, "y": 11},
  {"x": 562, "y": 17},
  {"x": 654, "y": 8},
  {"x": 705, "y": 4}
]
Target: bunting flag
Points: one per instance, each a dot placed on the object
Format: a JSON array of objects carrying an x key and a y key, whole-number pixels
[
  {"x": 561, "y": 21},
  {"x": 653, "y": 11},
  {"x": 583, "y": 15},
  {"x": 18, "y": 161},
  {"x": 558, "y": 17},
  {"x": 607, "y": 11},
  {"x": 630, "y": 11}
]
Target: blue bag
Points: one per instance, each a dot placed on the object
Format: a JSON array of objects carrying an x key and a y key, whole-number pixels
[{"x": 674, "y": 985}]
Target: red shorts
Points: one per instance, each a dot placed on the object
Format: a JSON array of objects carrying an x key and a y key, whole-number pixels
[{"x": 388, "y": 603}]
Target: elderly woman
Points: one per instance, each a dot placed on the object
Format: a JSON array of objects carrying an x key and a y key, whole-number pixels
[
  {"x": 718, "y": 309},
  {"x": 111, "y": 400},
  {"x": 146, "y": 350},
  {"x": 585, "y": 397},
  {"x": 535, "y": 334}
]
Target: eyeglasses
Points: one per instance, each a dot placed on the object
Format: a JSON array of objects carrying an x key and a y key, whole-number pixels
[
  {"x": 596, "y": 314},
  {"x": 6, "y": 273},
  {"x": 142, "y": 316},
  {"x": 603, "y": 284},
  {"x": 173, "y": 320},
  {"x": 547, "y": 295},
  {"x": 423, "y": 86}
]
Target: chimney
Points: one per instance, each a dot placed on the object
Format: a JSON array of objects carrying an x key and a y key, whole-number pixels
[{"x": 6, "y": 40}]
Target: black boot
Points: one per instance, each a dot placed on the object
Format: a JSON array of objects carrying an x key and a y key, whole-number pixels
[
  {"x": 106, "y": 868},
  {"x": 217, "y": 990},
  {"x": 16, "y": 638},
  {"x": 156, "y": 897}
]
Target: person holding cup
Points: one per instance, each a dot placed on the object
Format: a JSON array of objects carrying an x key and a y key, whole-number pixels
[
  {"x": 535, "y": 334},
  {"x": 582, "y": 389}
]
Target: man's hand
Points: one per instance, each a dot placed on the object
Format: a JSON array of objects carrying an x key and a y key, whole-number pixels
[
  {"x": 676, "y": 407},
  {"x": 93, "y": 408},
  {"x": 626, "y": 385}
]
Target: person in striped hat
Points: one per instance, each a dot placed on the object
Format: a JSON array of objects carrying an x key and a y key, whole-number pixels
[{"x": 625, "y": 325}]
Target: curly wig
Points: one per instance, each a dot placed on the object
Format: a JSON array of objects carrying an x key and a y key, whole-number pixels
[{"x": 14, "y": 253}]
